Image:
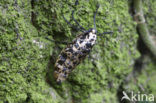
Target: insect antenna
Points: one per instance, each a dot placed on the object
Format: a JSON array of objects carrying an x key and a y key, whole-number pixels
[
  {"x": 70, "y": 23},
  {"x": 95, "y": 22},
  {"x": 95, "y": 16},
  {"x": 80, "y": 28}
]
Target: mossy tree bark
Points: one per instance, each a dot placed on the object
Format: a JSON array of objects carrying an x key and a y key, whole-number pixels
[
  {"x": 142, "y": 27},
  {"x": 27, "y": 57}
]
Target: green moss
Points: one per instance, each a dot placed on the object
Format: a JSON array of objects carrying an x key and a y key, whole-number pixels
[{"x": 22, "y": 62}]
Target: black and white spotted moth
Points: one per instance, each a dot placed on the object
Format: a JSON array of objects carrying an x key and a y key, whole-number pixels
[{"x": 75, "y": 52}]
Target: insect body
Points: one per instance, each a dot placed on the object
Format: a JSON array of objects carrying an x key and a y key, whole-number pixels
[
  {"x": 76, "y": 51},
  {"x": 73, "y": 54}
]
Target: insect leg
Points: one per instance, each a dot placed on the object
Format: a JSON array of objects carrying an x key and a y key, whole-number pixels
[
  {"x": 70, "y": 23},
  {"x": 81, "y": 28},
  {"x": 77, "y": 28},
  {"x": 73, "y": 26}
]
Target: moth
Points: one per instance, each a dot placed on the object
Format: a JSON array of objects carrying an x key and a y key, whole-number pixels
[{"x": 75, "y": 52}]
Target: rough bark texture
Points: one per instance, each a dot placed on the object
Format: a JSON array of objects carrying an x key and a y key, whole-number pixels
[
  {"x": 142, "y": 27},
  {"x": 27, "y": 58}
]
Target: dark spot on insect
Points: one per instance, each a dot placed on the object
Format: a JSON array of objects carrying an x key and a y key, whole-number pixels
[
  {"x": 91, "y": 40},
  {"x": 68, "y": 54},
  {"x": 73, "y": 57},
  {"x": 84, "y": 36},
  {"x": 64, "y": 55},
  {"x": 65, "y": 73},
  {"x": 64, "y": 69},
  {"x": 61, "y": 61},
  {"x": 88, "y": 45},
  {"x": 81, "y": 48},
  {"x": 75, "y": 54},
  {"x": 74, "y": 62},
  {"x": 84, "y": 47},
  {"x": 81, "y": 41},
  {"x": 68, "y": 63},
  {"x": 81, "y": 56},
  {"x": 80, "y": 53},
  {"x": 78, "y": 48},
  {"x": 70, "y": 50},
  {"x": 76, "y": 45},
  {"x": 64, "y": 76},
  {"x": 86, "y": 51},
  {"x": 70, "y": 67},
  {"x": 66, "y": 50},
  {"x": 87, "y": 36},
  {"x": 60, "y": 71}
]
